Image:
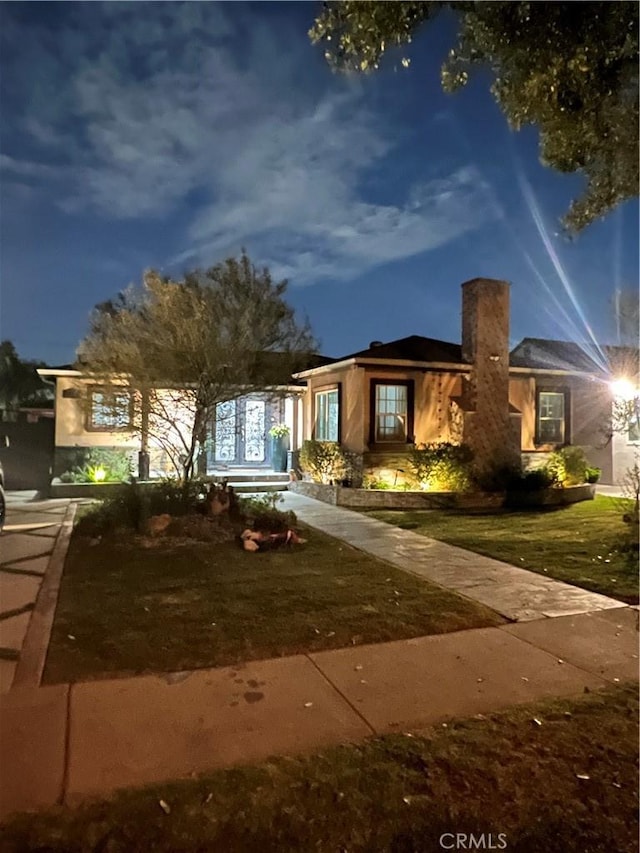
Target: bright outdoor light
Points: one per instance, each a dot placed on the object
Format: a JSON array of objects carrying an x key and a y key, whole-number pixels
[
  {"x": 99, "y": 474},
  {"x": 623, "y": 389}
]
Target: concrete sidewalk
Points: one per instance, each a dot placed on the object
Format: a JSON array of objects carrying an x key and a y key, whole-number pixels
[
  {"x": 517, "y": 594},
  {"x": 63, "y": 743}
]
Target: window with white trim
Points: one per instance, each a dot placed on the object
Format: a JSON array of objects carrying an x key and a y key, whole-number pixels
[
  {"x": 327, "y": 409},
  {"x": 551, "y": 417},
  {"x": 391, "y": 413}
]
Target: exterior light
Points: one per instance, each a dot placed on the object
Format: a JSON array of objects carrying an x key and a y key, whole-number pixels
[
  {"x": 623, "y": 389},
  {"x": 99, "y": 474}
]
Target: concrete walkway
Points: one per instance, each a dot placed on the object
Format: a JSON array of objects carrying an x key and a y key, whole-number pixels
[
  {"x": 29, "y": 538},
  {"x": 63, "y": 743},
  {"x": 517, "y": 594}
]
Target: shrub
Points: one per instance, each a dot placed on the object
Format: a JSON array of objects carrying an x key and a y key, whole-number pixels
[
  {"x": 100, "y": 465},
  {"x": 531, "y": 481},
  {"x": 592, "y": 475},
  {"x": 442, "y": 466},
  {"x": 261, "y": 513},
  {"x": 568, "y": 466},
  {"x": 498, "y": 478},
  {"x": 279, "y": 431},
  {"x": 324, "y": 461},
  {"x": 370, "y": 481},
  {"x": 131, "y": 505},
  {"x": 631, "y": 492}
]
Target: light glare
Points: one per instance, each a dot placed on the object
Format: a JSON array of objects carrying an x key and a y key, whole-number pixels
[{"x": 623, "y": 389}]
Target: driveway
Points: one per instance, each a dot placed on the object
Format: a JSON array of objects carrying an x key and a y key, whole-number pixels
[{"x": 26, "y": 546}]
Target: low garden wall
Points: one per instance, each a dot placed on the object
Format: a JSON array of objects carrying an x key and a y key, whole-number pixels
[
  {"x": 389, "y": 499},
  {"x": 553, "y": 497},
  {"x": 89, "y": 490}
]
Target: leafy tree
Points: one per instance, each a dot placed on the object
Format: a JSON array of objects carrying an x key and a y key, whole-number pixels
[
  {"x": 569, "y": 68},
  {"x": 186, "y": 346},
  {"x": 20, "y": 385}
]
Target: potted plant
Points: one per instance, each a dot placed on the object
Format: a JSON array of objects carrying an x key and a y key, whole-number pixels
[{"x": 279, "y": 434}]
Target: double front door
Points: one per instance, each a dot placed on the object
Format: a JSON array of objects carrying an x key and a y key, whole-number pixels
[{"x": 240, "y": 432}]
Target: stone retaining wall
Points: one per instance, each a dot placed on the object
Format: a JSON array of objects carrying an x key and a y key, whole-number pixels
[{"x": 389, "y": 499}]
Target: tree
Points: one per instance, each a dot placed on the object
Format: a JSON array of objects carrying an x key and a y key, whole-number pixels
[
  {"x": 186, "y": 346},
  {"x": 569, "y": 68},
  {"x": 20, "y": 385}
]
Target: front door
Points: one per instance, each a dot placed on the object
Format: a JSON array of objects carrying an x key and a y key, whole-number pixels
[{"x": 240, "y": 433}]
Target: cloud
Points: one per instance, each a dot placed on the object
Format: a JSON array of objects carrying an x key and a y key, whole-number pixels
[
  {"x": 182, "y": 111},
  {"x": 25, "y": 168}
]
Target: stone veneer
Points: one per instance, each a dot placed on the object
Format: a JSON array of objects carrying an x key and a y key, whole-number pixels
[{"x": 390, "y": 499}]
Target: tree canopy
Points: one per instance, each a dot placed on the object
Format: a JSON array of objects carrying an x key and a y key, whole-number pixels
[
  {"x": 20, "y": 385},
  {"x": 569, "y": 68},
  {"x": 188, "y": 345}
]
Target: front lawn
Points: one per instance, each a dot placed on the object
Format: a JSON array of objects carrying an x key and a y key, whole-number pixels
[
  {"x": 554, "y": 777},
  {"x": 125, "y": 608},
  {"x": 576, "y": 544}
]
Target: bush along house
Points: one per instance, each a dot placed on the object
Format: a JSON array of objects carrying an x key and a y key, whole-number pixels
[{"x": 507, "y": 407}]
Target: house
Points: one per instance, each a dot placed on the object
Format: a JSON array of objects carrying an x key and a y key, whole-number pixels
[
  {"x": 90, "y": 415},
  {"x": 380, "y": 401}
]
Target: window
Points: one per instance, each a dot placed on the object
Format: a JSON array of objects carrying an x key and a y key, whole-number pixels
[
  {"x": 110, "y": 410},
  {"x": 551, "y": 418},
  {"x": 392, "y": 409},
  {"x": 327, "y": 415}
]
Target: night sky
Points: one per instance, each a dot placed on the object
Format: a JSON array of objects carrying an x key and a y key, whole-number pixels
[{"x": 170, "y": 135}]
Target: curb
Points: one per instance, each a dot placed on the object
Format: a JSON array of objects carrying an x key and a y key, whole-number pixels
[{"x": 36, "y": 642}]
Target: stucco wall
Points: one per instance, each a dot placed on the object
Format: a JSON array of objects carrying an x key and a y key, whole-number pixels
[
  {"x": 431, "y": 408},
  {"x": 522, "y": 395},
  {"x": 589, "y": 403},
  {"x": 625, "y": 455},
  {"x": 590, "y": 411},
  {"x": 71, "y": 417},
  {"x": 589, "y": 406}
]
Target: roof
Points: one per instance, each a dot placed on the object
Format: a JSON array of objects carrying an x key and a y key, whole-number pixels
[
  {"x": 543, "y": 354},
  {"x": 413, "y": 348}
]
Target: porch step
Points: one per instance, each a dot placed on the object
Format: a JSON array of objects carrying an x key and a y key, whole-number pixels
[
  {"x": 252, "y": 481},
  {"x": 243, "y": 476},
  {"x": 257, "y": 486}
]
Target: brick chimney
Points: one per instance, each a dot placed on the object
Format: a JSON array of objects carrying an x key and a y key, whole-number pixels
[{"x": 488, "y": 427}]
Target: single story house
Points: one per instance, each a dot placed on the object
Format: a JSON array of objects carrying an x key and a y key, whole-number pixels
[
  {"x": 90, "y": 415},
  {"x": 378, "y": 402},
  {"x": 507, "y": 405}
]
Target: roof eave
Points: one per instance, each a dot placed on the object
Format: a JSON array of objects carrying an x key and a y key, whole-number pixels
[{"x": 383, "y": 362}]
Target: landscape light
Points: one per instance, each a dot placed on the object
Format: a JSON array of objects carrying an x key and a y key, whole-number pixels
[{"x": 99, "y": 474}]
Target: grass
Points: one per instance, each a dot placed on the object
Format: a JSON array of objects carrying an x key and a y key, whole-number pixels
[
  {"x": 501, "y": 773},
  {"x": 127, "y": 609},
  {"x": 576, "y": 544}
]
